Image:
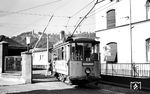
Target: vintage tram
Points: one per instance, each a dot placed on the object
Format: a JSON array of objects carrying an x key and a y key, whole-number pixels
[{"x": 76, "y": 60}]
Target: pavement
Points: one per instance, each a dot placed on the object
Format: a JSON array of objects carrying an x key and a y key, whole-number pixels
[
  {"x": 15, "y": 87},
  {"x": 40, "y": 81},
  {"x": 10, "y": 79}
]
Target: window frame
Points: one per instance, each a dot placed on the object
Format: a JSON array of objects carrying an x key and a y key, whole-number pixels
[
  {"x": 147, "y": 5},
  {"x": 111, "y": 21},
  {"x": 116, "y": 57},
  {"x": 147, "y": 49}
]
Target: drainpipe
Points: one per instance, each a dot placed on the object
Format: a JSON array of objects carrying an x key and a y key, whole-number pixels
[{"x": 130, "y": 25}]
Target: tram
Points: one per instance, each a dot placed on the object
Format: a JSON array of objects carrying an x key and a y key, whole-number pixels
[{"x": 76, "y": 60}]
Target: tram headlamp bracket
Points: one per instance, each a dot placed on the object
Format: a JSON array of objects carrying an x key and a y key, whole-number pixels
[{"x": 87, "y": 71}]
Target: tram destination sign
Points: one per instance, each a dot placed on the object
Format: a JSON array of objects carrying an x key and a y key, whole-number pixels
[{"x": 88, "y": 64}]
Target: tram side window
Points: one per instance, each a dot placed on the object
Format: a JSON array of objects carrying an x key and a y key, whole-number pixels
[
  {"x": 61, "y": 53},
  {"x": 58, "y": 54}
]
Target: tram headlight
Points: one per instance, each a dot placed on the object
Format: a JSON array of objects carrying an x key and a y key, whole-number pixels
[{"x": 87, "y": 70}]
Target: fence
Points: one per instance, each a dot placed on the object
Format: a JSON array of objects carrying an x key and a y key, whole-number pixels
[
  {"x": 141, "y": 70},
  {"x": 12, "y": 63}
]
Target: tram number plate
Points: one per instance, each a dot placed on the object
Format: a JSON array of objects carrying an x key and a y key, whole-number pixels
[
  {"x": 89, "y": 64},
  {"x": 135, "y": 85}
]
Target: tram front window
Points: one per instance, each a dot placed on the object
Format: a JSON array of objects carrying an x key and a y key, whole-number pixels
[
  {"x": 77, "y": 51},
  {"x": 87, "y": 51},
  {"x": 84, "y": 51}
]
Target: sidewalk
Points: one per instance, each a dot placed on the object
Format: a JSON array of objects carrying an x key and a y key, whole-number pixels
[{"x": 10, "y": 79}]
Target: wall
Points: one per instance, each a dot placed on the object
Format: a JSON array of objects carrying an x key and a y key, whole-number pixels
[
  {"x": 41, "y": 58},
  {"x": 141, "y": 32},
  {"x": 121, "y": 9},
  {"x": 121, "y": 33},
  {"x": 3, "y": 53},
  {"x": 138, "y": 11},
  {"x": 121, "y": 37}
]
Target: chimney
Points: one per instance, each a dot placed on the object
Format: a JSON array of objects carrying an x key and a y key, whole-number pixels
[{"x": 62, "y": 35}]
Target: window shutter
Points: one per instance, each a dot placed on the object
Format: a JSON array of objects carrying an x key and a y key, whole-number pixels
[{"x": 111, "y": 20}]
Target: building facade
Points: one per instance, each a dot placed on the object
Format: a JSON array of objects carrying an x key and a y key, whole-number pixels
[
  {"x": 41, "y": 58},
  {"x": 124, "y": 34}
]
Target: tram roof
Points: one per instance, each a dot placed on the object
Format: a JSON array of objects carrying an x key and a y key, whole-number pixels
[
  {"x": 76, "y": 40},
  {"x": 84, "y": 40}
]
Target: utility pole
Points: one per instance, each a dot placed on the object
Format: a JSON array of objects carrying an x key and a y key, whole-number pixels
[{"x": 48, "y": 48}]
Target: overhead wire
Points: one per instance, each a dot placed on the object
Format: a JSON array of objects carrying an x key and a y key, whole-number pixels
[
  {"x": 70, "y": 17},
  {"x": 34, "y": 7},
  {"x": 43, "y": 32},
  {"x": 101, "y": 9},
  {"x": 82, "y": 8},
  {"x": 67, "y": 23},
  {"x": 34, "y": 14},
  {"x": 85, "y": 17}
]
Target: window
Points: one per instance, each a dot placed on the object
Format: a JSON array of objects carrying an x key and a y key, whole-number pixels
[
  {"x": 147, "y": 9},
  {"x": 61, "y": 53},
  {"x": 41, "y": 57},
  {"x": 111, "y": 52},
  {"x": 77, "y": 51},
  {"x": 148, "y": 49},
  {"x": 111, "y": 20},
  {"x": 115, "y": 0}
]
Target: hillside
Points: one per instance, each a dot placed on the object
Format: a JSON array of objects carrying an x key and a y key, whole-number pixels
[{"x": 53, "y": 38}]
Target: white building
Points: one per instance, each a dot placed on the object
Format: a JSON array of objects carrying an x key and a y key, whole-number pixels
[
  {"x": 41, "y": 58},
  {"x": 123, "y": 28}
]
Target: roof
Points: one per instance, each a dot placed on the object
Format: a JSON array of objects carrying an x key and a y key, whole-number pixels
[
  {"x": 76, "y": 40},
  {"x": 11, "y": 43},
  {"x": 83, "y": 39},
  {"x": 40, "y": 49}
]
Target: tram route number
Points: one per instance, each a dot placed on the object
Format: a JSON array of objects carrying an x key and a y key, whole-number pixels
[{"x": 135, "y": 85}]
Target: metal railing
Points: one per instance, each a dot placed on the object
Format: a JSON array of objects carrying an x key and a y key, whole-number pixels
[{"x": 140, "y": 70}]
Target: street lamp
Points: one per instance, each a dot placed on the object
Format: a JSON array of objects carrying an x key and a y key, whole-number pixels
[{"x": 28, "y": 42}]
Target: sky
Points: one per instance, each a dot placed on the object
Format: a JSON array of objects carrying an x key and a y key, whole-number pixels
[{"x": 18, "y": 16}]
